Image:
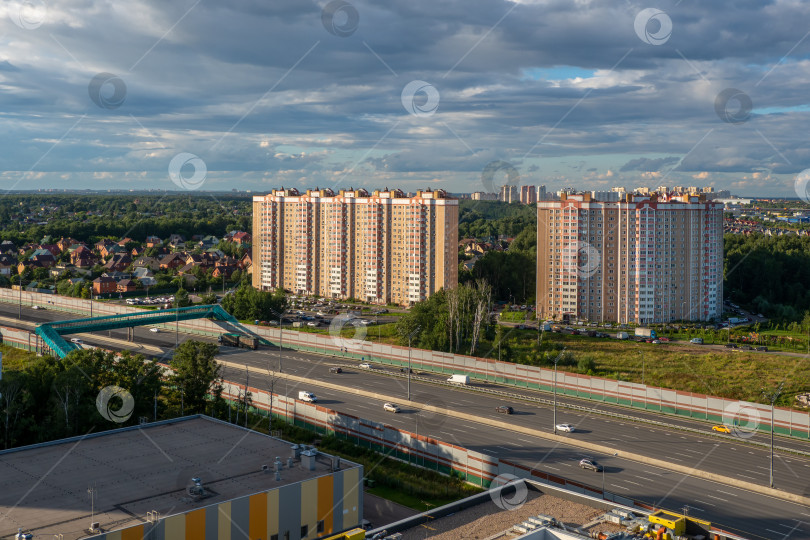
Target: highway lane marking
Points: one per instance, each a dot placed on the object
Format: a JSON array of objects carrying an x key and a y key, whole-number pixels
[
  {"x": 726, "y": 492},
  {"x": 674, "y": 458},
  {"x": 683, "y": 455},
  {"x": 718, "y": 498},
  {"x": 620, "y": 487},
  {"x": 702, "y": 502},
  {"x": 631, "y": 437},
  {"x": 525, "y": 440},
  {"x": 775, "y": 532},
  {"x": 550, "y": 467},
  {"x": 629, "y": 482},
  {"x": 693, "y": 451},
  {"x": 744, "y": 476},
  {"x": 645, "y": 478}
]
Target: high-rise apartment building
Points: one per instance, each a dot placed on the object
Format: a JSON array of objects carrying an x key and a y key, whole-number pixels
[
  {"x": 528, "y": 195},
  {"x": 382, "y": 247},
  {"x": 509, "y": 193},
  {"x": 645, "y": 259}
]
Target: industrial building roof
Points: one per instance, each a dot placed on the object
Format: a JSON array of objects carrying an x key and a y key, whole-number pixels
[{"x": 44, "y": 489}]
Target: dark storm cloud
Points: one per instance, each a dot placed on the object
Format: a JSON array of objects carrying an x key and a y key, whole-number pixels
[{"x": 648, "y": 165}]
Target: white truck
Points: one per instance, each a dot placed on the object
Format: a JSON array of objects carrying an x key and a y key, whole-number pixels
[
  {"x": 622, "y": 335},
  {"x": 459, "y": 379},
  {"x": 645, "y": 333},
  {"x": 545, "y": 326},
  {"x": 307, "y": 396}
]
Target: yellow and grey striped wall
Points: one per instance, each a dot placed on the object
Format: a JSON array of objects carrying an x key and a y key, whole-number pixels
[{"x": 310, "y": 509}]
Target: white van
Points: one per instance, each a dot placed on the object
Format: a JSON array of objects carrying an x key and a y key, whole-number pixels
[
  {"x": 459, "y": 379},
  {"x": 307, "y": 396}
]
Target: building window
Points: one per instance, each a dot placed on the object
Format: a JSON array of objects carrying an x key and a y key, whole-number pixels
[
  {"x": 304, "y": 531},
  {"x": 321, "y": 526}
]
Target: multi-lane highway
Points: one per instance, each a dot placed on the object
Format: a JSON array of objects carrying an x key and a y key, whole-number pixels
[{"x": 731, "y": 508}]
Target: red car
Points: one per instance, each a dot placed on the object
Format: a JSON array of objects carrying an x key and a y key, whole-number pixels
[{"x": 663, "y": 339}]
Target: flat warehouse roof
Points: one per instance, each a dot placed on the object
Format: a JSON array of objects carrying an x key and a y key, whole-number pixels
[{"x": 44, "y": 488}]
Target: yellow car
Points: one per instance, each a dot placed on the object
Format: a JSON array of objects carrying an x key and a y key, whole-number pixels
[{"x": 721, "y": 428}]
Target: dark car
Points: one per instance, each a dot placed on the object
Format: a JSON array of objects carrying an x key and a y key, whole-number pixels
[
  {"x": 505, "y": 409},
  {"x": 591, "y": 464},
  {"x": 762, "y": 348},
  {"x": 406, "y": 370},
  {"x": 335, "y": 370}
]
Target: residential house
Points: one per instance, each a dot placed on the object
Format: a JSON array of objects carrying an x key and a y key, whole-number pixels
[
  {"x": 8, "y": 247},
  {"x": 119, "y": 261},
  {"x": 82, "y": 257},
  {"x": 147, "y": 262},
  {"x": 172, "y": 261},
  {"x": 137, "y": 251},
  {"x": 241, "y": 238},
  {"x": 176, "y": 241},
  {"x": 117, "y": 276},
  {"x": 53, "y": 249},
  {"x": 225, "y": 270},
  {"x": 145, "y": 276},
  {"x": 44, "y": 257},
  {"x": 124, "y": 241},
  {"x": 104, "y": 285},
  {"x": 102, "y": 246},
  {"x": 208, "y": 242},
  {"x": 153, "y": 241},
  {"x": 126, "y": 285},
  {"x": 66, "y": 243},
  {"x": 7, "y": 262},
  {"x": 246, "y": 262}
]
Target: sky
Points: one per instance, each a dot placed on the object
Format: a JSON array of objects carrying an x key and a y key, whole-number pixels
[{"x": 256, "y": 94}]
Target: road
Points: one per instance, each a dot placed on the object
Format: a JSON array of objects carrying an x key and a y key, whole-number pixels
[{"x": 734, "y": 509}]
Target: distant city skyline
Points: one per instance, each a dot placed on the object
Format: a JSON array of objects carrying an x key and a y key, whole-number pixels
[{"x": 254, "y": 95}]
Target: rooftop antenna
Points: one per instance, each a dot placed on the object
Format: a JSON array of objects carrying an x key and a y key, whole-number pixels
[{"x": 92, "y": 492}]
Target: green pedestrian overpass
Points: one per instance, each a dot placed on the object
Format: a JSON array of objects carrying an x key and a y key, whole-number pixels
[{"x": 51, "y": 333}]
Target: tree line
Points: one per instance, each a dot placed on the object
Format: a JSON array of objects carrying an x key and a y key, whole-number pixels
[{"x": 48, "y": 398}]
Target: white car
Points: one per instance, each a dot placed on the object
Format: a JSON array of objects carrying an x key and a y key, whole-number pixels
[
  {"x": 154, "y": 330},
  {"x": 35, "y": 307},
  {"x": 566, "y": 428},
  {"x": 365, "y": 365},
  {"x": 391, "y": 407},
  {"x": 76, "y": 340}
]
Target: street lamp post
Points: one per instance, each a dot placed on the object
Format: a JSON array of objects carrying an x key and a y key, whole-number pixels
[
  {"x": 410, "y": 337},
  {"x": 772, "y": 397},
  {"x": 557, "y": 359},
  {"x": 20, "y": 314},
  {"x": 280, "y": 333}
]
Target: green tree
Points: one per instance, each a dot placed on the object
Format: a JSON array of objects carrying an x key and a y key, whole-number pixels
[
  {"x": 181, "y": 298},
  {"x": 195, "y": 374}
]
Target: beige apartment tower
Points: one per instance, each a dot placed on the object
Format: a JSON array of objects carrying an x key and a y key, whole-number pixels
[
  {"x": 383, "y": 247},
  {"x": 644, "y": 259}
]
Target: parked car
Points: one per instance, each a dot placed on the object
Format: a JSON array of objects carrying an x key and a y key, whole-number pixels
[
  {"x": 335, "y": 369},
  {"x": 589, "y": 463},
  {"x": 36, "y": 307},
  {"x": 505, "y": 409},
  {"x": 762, "y": 348},
  {"x": 696, "y": 341},
  {"x": 566, "y": 428},
  {"x": 721, "y": 428},
  {"x": 365, "y": 365},
  {"x": 391, "y": 407},
  {"x": 154, "y": 330},
  {"x": 76, "y": 340},
  {"x": 655, "y": 341}
]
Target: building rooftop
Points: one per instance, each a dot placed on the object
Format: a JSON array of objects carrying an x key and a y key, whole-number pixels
[{"x": 44, "y": 488}]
